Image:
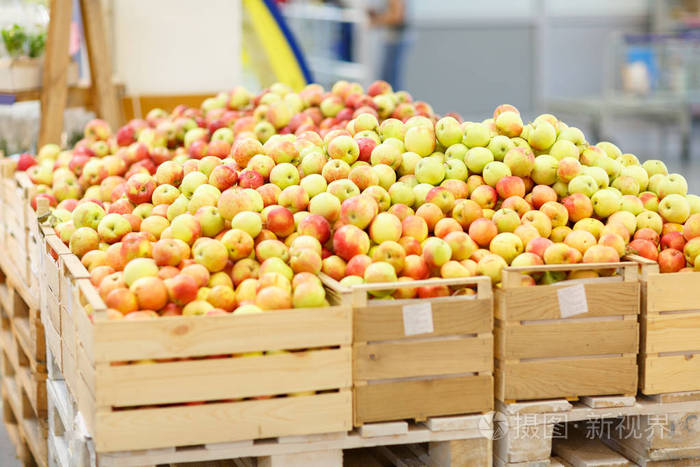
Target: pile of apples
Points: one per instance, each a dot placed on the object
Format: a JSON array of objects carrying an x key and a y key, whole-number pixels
[{"x": 239, "y": 205}]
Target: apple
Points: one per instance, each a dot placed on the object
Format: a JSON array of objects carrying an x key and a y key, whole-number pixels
[
  {"x": 672, "y": 184},
  {"x": 606, "y": 202},
  {"x": 650, "y": 219},
  {"x": 349, "y": 240},
  {"x": 674, "y": 208},
  {"x": 506, "y": 245},
  {"x": 561, "y": 253},
  {"x": 644, "y": 248},
  {"x": 675, "y": 240},
  {"x": 138, "y": 268},
  {"x": 334, "y": 266},
  {"x": 87, "y": 214},
  {"x": 671, "y": 260},
  {"x": 186, "y": 227},
  {"x": 491, "y": 266},
  {"x": 430, "y": 170},
  {"x": 113, "y": 227},
  {"x": 83, "y": 240},
  {"x": 380, "y": 272}
]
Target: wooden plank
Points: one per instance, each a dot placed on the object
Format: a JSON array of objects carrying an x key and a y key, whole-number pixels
[
  {"x": 212, "y": 423},
  {"x": 673, "y": 332},
  {"x": 672, "y": 373},
  {"x": 476, "y": 452},
  {"x": 215, "y": 335},
  {"x": 580, "y": 451},
  {"x": 671, "y": 397},
  {"x": 545, "y": 379},
  {"x": 452, "y": 316},
  {"x": 108, "y": 106},
  {"x": 421, "y": 399},
  {"x": 422, "y": 358},
  {"x": 328, "y": 458},
  {"x": 607, "y": 402},
  {"x": 54, "y": 74},
  {"x": 541, "y": 302},
  {"x": 223, "y": 378},
  {"x": 673, "y": 292},
  {"x": 566, "y": 339},
  {"x": 373, "y": 430}
]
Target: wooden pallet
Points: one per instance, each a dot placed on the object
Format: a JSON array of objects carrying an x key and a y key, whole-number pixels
[
  {"x": 669, "y": 359},
  {"x": 448, "y": 441},
  {"x": 586, "y": 334},
  {"x": 671, "y": 438},
  {"x": 524, "y": 431},
  {"x": 27, "y": 430},
  {"x": 405, "y": 370}
]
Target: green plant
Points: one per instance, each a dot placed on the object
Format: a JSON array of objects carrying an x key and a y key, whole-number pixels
[
  {"x": 19, "y": 42},
  {"x": 15, "y": 38},
  {"x": 37, "y": 43}
]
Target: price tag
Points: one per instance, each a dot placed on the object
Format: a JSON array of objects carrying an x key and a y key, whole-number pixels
[
  {"x": 417, "y": 319},
  {"x": 572, "y": 301}
]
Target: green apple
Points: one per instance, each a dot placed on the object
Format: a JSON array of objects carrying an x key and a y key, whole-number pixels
[
  {"x": 476, "y": 135},
  {"x": 674, "y": 208},
  {"x": 606, "y": 202},
  {"x": 494, "y": 171},
  {"x": 456, "y": 169},
  {"x": 477, "y": 158},
  {"x": 610, "y": 149},
  {"x": 599, "y": 175},
  {"x": 447, "y": 131},
  {"x": 673, "y": 184},
  {"x": 430, "y": 170},
  {"x": 654, "y": 167},
  {"x": 638, "y": 173},
  {"x": 499, "y": 146},
  {"x": 544, "y": 171},
  {"x": 420, "y": 191},
  {"x": 563, "y": 148},
  {"x": 402, "y": 194},
  {"x": 583, "y": 184},
  {"x": 456, "y": 151},
  {"x": 387, "y": 175},
  {"x": 409, "y": 160},
  {"x": 314, "y": 184}
]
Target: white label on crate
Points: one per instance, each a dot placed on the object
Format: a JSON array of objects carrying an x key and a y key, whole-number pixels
[
  {"x": 572, "y": 301},
  {"x": 417, "y": 319}
]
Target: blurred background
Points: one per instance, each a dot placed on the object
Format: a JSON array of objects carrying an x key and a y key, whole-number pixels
[{"x": 627, "y": 71}]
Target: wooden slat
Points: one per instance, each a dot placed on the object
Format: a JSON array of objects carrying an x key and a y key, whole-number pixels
[
  {"x": 566, "y": 339},
  {"x": 423, "y": 358},
  {"x": 547, "y": 379},
  {"x": 107, "y": 102},
  {"x": 215, "y": 335},
  {"x": 451, "y": 316},
  {"x": 54, "y": 75},
  {"x": 225, "y": 422},
  {"x": 673, "y": 332},
  {"x": 541, "y": 302},
  {"x": 223, "y": 378},
  {"x": 673, "y": 373},
  {"x": 673, "y": 292},
  {"x": 423, "y": 398}
]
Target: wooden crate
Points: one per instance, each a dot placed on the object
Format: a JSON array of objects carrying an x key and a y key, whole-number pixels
[
  {"x": 446, "y": 371},
  {"x": 190, "y": 388},
  {"x": 669, "y": 354},
  {"x": 557, "y": 342}
]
